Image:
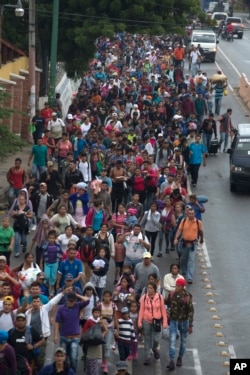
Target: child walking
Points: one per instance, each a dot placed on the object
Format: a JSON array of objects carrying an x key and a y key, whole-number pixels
[
  {"x": 94, "y": 352},
  {"x": 125, "y": 334},
  {"x": 51, "y": 255},
  {"x": 100, "y": 266},
  {"x": 119, "y": 256}
]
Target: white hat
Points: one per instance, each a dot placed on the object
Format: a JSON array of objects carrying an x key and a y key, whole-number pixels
[
  {"x": 114, "y": 114},
  {"x": 70, "y": 116},
  {"x": 82, "y": 185}
]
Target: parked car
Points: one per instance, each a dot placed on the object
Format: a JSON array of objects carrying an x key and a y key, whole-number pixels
[
  {"x": 240, "y": 157},
  {"x": 238, "y": 26}
]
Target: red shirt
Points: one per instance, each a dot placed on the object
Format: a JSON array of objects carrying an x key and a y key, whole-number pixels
[
  {"x": 139, "y": 183},
  {"x": 16, "y": 177}
]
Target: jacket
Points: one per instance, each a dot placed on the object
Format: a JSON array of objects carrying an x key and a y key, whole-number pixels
[
  {"x": 36, "y": 201},
  {"x": 51, "y": 370},
  {"x": 44, "y": 314},
  {"x": 152, "y": 308},
  {"x": 84, "y": 198},
  {"x": 181, "y": 307}
]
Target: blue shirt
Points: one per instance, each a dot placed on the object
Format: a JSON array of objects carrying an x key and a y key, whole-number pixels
[
  {"x": 197, "y": 150},
  {"x": 74, "y": 268},
  {"x": 196, "y": 210},
  {"x": 97, "y": 222}
]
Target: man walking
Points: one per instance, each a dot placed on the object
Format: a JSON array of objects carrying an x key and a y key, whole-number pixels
[
  {"x": 225, "y": 127},
  {"x": 181, "y": 312},
  {"x": 16, "y": 177},
  {"x": 197, "y": 153},
  {"x": 40, "y": 154},
  {"x": 190, "y": 229},
  {"x": 208, "y": 127}
]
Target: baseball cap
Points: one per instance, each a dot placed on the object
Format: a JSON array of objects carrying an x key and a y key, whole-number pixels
[
  {"x": 121, "y": 365},
  {"x": 3, "y": 257},
  {"x": 147, "y": 254},
  {"x": 54, "y": 114},
  {"x": 69, "y": 276},
  {"x": 124, "y": 310},
  {"x": 180, "y": 282},
  {"x": 21, "y": 315},
  {"x": 60, "y": 350},
  {"x": 50, "y": 164},
  {"x": 70, "y": 116},
  {"x": 3, "y": 336}
]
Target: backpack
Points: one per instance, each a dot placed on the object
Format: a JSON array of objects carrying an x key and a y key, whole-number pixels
[{"x": 87, "y": 249}]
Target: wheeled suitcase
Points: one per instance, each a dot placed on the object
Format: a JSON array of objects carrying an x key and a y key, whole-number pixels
[{"x": 214, "y": 146}]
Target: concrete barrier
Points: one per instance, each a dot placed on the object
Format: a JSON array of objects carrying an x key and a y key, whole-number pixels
[{"x": 244, "y": 89}]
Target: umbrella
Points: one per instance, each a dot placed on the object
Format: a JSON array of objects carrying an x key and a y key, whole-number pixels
[{"x": 218, "y": 77}]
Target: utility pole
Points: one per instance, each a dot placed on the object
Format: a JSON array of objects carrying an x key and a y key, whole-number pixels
[
  {"x": 32, "y": 57},
  {"x": 53, "y": 54}
]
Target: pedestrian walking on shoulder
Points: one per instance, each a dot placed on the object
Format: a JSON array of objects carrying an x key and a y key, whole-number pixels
[{"x": 181, "y": 313}]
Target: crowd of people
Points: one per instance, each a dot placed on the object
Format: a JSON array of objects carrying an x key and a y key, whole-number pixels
[{"x": 109, "y": 183}]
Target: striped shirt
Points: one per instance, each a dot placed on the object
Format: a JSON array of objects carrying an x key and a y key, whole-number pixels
[{"x": 126, "y": 330}]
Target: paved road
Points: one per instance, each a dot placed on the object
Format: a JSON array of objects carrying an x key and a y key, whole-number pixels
[{"x": 226, "y": 232}]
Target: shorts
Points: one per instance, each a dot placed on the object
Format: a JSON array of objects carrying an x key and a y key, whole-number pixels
[{"x": 119, "y": 264}]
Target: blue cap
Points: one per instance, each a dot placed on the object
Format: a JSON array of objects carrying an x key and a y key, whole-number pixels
[
  {"x": 121, "y": 365},
  {"x": 124, "y": 310},
  {"x": 3, "y": 336}
]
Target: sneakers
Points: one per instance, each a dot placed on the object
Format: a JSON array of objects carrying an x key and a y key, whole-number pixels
[
  {"x": 171, "y": 366},
  {"x": 179, "y": 362},
  {"x": 156, "y": 353},
  {"x": 105, "y": 369},
  {"x": 147, "y": 362},
  {"x": 17, "y": 255},
  {"x": 113, "y": 347},
  {"x": 159, "y": 255}
]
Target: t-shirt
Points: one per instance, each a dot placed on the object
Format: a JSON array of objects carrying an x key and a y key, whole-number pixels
[
  {"x": 97, "y": 221},
  {"x": 64, "y": 240},
  {"x": 6, "y": 321},
  {"x": 17, "y": 341},
  {"x": 42, "y": 205},
  {"x": 5, "y": 237},
  {"x": 40, "y": 155},
  {"x": 141, "y": 275},
  {"x": 35, "y": 321},
  {"x": 74, "y": 268},
  {"x": 197, "y": 150},
  {"x": 68, "y": 317}
]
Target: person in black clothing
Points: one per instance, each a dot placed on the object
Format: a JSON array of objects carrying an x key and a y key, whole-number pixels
[
  {"x": 72, "y": 177},
  {"x": 53, "y": 180},
  {"x": 39, "y": 122},
  {"x": 41, "y": 201},
  {"x": 24, "y": 340},
  {"x": 208, "y": 127}
]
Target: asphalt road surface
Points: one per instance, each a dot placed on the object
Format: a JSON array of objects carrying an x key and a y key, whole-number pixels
[{"x": 220, "y": 288}]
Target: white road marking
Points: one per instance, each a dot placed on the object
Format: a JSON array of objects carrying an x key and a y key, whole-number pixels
[
  {"x": 204, "y": 248},
  {"x": 231, "y": 351},
  {"x": 197, "y": 363},
  {"x": 229, "y": 61}
]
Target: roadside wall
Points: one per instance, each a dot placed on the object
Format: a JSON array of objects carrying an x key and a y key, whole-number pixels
[{"x": 244, "y": 89}]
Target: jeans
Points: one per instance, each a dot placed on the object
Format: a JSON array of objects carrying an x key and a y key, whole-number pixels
[
  {"x": 132, "y": 262},
  {"x": 194, "y": 68},
  {"x": 12, "y": 194},
  {"x": 152, "y": 239},
  {"x": 38, "y": 170},
  {"x": 50, "y": 271},
  {"x": 217, "y": 104},
  {"x": 182, "y": 327},
  {"x": 194, "y": 171},
  {"x": 19, "y": 237},
  {"x": 224, "y": 138},
  {"x": 206, "y": 139},
  {"x": 71, "y": 347},
  {"x": 151, "y": 338},
  {"x": 150, "y": 196},
  {"x": 109, "y": 339},
  {"x": 187, "y": 260},
  {"x": 168, "y": 239},
  {"x": 124, "y": 350}
]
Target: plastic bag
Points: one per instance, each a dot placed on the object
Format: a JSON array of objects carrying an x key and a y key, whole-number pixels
[
  {"x": 225, "y": 92},
  {"x": 165, "y": 333}
]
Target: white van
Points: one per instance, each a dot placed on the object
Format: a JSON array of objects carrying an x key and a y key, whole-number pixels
[{"x": 207, "y": 41}]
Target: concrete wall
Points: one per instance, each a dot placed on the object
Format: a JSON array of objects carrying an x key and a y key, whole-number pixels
[{"x": 244, "y": 89}]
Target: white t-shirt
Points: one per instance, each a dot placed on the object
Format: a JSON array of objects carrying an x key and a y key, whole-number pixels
[
  {"x": 150, "y": 149},
  {"x": 85, "y": 128},
  {"x": 6, "y": 321},
  {"x": 64, "y": 240},
  {"x": 194, "y": 56}
]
